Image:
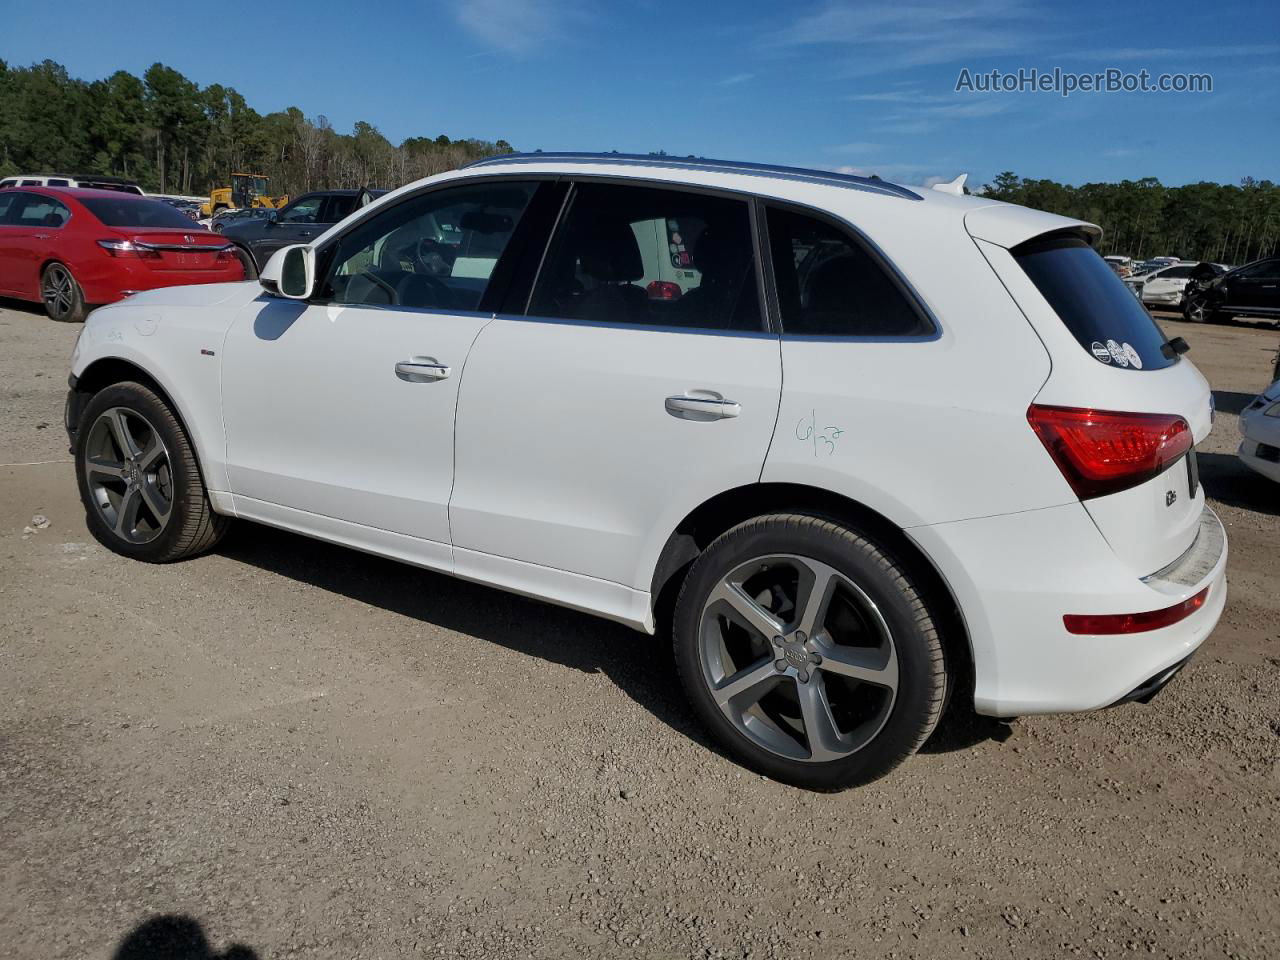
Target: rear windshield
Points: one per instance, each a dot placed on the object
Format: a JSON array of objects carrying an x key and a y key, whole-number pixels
[
  {"x": 1099, "y": 310},
  {"x": 126, "y": 211}
]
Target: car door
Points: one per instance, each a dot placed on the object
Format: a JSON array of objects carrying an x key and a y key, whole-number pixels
[
  {"x": 1245, "y": 289},
  {"x": 33, "y": 232},
  {"x": 10, "y": 203},
  {"x": 639, "y": 382},
  {"x": 299, "y": 222},
  {"x": 340, "y": 410}
]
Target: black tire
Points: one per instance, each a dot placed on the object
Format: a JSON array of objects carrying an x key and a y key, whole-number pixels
[
  {"x": 921, "y": 671},
  {"x": 190, "y": 526},
  {"x": 250, "y": 265},
  {"x": 61, "y": 294}
]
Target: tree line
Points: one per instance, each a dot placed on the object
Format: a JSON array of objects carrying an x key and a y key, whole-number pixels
[
  {"x": 1222, "y": 223},
  {"x": 169, "y": 135}
]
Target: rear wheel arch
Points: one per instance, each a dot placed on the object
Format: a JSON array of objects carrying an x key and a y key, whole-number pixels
[{"x": 728, "y": 509}]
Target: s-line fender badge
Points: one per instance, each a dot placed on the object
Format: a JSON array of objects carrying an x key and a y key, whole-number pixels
[{"x": 206, "y": 353}]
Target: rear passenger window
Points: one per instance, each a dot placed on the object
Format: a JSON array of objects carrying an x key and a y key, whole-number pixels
[
  {"x": 1094, "y": 304},
  {"x": 651, "y": 257},
  {"x": 830, "y": 285}
]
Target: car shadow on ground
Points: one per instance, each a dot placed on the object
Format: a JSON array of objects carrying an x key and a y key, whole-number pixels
[
  {"x": 21, "y": 306},
  {"x": 641, "y": 666},
  {"x": 1229, "y": 481},
  {"x": 1231, "y": 401},
  {"x": 175, "y": 937}
]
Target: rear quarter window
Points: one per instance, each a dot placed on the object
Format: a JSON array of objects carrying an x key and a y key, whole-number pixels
[{"x": 1100, "y": 311}]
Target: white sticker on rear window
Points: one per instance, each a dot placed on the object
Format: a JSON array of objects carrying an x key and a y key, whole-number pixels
[
  {"x": 1132, "y": 355},
  {"x": 1117, "y": 353},
  {"x": 1101, "y": 352}
]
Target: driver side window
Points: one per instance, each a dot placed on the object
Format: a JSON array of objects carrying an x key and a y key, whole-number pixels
[
  {"x": 302, "y": 211},
  {"x": 435, "y": 251}
]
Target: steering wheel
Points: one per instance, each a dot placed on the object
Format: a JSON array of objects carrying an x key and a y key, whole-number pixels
[
  {"x": 378, "y": 281},
  {"x": 427, "y": 250}
]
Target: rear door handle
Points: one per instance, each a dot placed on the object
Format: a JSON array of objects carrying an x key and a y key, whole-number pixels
[
  {"x": 421, "y": 370},
  {"x": 40, "y": 236},
  {"x": 702, "y": 408}
]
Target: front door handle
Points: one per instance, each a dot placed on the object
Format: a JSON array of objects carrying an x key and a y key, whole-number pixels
[
  {"x": 421, "y": 370},
  {"x": 702, "y": 409}
]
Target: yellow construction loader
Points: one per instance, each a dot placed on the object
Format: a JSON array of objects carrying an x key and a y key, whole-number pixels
[{"x": 246, "y": 190}]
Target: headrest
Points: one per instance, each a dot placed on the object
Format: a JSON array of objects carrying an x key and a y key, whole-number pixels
[{"x": 608, "y": 251}]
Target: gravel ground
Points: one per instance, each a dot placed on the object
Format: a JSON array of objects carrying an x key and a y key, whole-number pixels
[{"x": 289, "y": 749}]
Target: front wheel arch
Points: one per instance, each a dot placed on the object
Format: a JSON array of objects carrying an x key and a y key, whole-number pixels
[{"x": 109, "y": 371}]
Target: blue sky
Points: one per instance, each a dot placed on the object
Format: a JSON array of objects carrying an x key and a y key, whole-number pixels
[{"x": 865, "y": 86}]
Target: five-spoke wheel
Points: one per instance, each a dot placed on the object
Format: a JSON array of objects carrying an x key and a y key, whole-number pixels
[
  {"x": 809, "y": 651},
  {"x": 129, "y": 475},
  {"x": 139, "y": 480}
]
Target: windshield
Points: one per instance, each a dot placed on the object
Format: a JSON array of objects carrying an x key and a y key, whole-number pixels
[
  {"x": 1094, "y": 303},
  {"x": 126, "y": 211}
]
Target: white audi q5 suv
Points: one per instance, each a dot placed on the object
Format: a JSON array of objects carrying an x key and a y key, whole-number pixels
[{"x": 859, "y": 447}]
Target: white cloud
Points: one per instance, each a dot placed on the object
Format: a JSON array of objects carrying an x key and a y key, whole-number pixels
[
  {"x": 736, "y": 79},
  {"x": 511, "y": 26},
  {"x": 883, "y": 34}
]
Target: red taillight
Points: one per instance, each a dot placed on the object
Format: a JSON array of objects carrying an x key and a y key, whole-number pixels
[
  {"x": 664, "y": 290},
  {"x": 1102, "y": 451},
  {"x": 1107, "y": 624},
  {"x": 127, "y": 248}
]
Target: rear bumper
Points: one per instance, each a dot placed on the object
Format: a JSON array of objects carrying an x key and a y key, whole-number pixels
[
  {"x": 1016, "y": 576},
  {"x": 114, "y": 282}
]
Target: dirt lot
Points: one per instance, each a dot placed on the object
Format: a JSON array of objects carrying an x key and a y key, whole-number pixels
[{"x": 309, "y": 752}]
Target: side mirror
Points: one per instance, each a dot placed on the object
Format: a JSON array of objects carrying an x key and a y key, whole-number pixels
[{"x": 290, "y": 272}]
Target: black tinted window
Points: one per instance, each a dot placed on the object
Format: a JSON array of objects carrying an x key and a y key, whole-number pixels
[
  {"x": 39, "y": 211},
  {"x": 830, "y": 285},
  {"x": 652, "y": 257},
  {"x": 8, "y": 201},
  {"x": 337, "y": 208},
  {"x": 435, "y": 251},
  {"x": 1099, "y": 310},
  {"x": 127, "y": 211}
]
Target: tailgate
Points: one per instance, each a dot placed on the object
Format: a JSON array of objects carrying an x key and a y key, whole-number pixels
[{"x": 1109, "y": 355}]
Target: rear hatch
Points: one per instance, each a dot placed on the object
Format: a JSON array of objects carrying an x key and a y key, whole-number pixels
[{"x": 1122, "y": 410}]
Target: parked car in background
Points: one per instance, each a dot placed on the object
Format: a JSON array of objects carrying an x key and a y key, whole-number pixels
[
  {"x": 1121, "y": 265},
  {"x": 223, "y": 218},
  {"x": 73, "y": 248},
  {"x": 1251, "y": 291},
  {"x": 84, "y": 180},
  {"x": 301, "y": 220},
  {"x": 741, "y": 463},
  {"x": 1260, "y": 428},
  {"x": 1164, "y": 286}
]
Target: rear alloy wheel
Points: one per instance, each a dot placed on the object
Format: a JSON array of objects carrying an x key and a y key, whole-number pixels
[
  {"x": 808, "y": 652},
  {"x": 139, "y": 480},
  {"x": 63, "y": 299}
]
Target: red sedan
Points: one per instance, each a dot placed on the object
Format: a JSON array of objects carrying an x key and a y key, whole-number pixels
[{"x": 70, "y": 249}]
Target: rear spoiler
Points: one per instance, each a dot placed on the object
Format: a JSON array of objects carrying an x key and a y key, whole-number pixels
[{"x": 1007, "y": 225}]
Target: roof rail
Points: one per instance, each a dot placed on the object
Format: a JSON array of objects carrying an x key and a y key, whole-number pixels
[{"x": 830, "y": 178}]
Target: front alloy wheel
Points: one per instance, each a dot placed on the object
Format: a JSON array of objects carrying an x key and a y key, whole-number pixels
[{"x": 129, "y": 475}]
